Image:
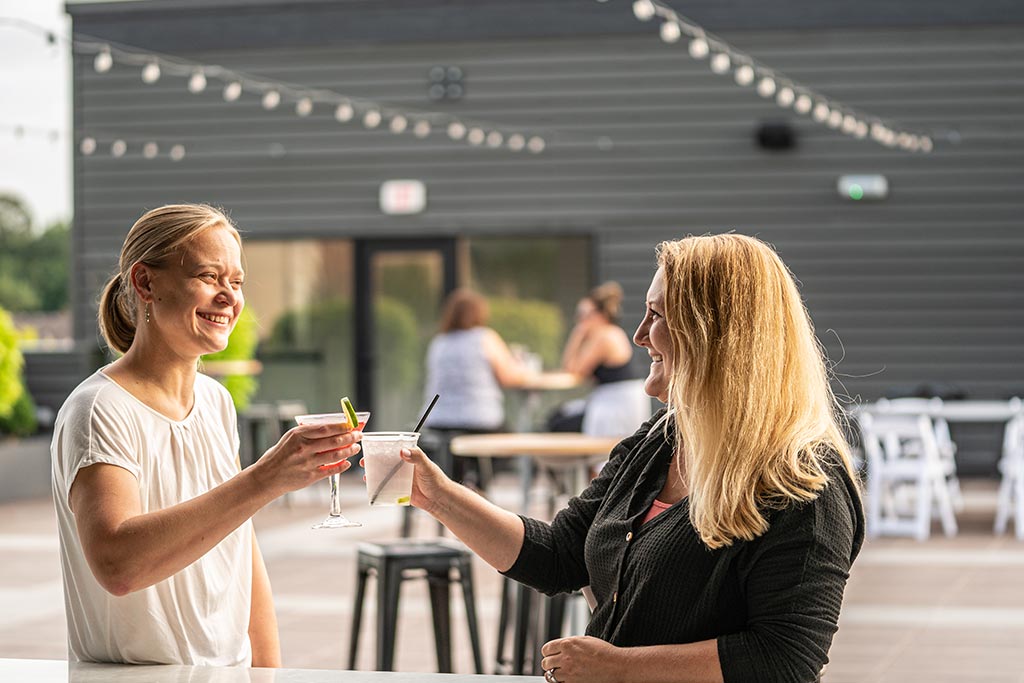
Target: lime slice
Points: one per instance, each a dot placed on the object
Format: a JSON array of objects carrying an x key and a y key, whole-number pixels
[{"x": 350, "y": 412}]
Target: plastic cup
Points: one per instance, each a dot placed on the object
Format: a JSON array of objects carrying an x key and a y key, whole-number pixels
[{"x": 388, "y": 477}]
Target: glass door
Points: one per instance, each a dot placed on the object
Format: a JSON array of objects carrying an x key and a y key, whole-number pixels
[{"x": 400, "y": 289}]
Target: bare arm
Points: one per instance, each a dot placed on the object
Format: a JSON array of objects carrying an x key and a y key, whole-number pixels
[
  {"x": 509, "y": 371},
  {"x": 495, "y": 534},
  {"x": 263, "y": 634},
  {"x": 128, "y": 550}
]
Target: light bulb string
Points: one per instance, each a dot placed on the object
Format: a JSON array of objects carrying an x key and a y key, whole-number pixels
[{"x": 717, "y": 45}]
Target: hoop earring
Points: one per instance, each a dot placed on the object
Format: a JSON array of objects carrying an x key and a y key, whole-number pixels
[{"x": 147, "y": 314}]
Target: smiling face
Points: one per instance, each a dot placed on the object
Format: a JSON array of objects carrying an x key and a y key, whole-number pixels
[
  {"x": 195, "y": 300},
  {"x": 653, "y": 335}
]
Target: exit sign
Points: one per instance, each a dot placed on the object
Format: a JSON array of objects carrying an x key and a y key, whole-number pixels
[{"x": 403, "y": 197}]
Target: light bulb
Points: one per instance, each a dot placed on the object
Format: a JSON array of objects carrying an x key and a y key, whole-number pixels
[
  {"x": 344, "y": 112},
  {"x": 744, "y": 75},
  {"x": 643, "y": 10},
  {"x": 803, "y": 104},
  {"x": 849, "y": 123},
  {"x": 861, "y": 130},
  {"x": 494, "y": 139},
  {"x": 835, "y": 119},
  {"x": 516, "y": 142},
  {"x": 670, "y": 32},
  {"x": 766, "y": 86},
  {"x": 785, "y": 97},
  {"x": 398, "y": 124},
  {"x": 151, "y": 73},
  {"x": 926, "y": 143},
  {"x": 271, "y": 99},
  {"x": 372, "y": 118},
  {"x": 877, "y": 132},
  {"x": 475, "y": 136},
  {"x": 118, "y": 148},
  {"x": 177, "y": 152},
  {"x": 150, "y": 150},
  {"x": 699, "y": 48},
  {"x": 536, "y": 144},
  {"x": 720, "y": 63},
  {"x": 821, "y": 112},
  {"x": 197, "y": 82},
  {"x": 304, "y": 107},
  {"x": 421, "y": 129},
  {"x": 232, "y": 91},
  {"x": 456, "y": 131},
  {"x": 103, "y": 61},
  {"x": 88, "y": 146}
]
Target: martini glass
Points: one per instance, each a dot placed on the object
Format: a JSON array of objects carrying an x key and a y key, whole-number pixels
[{"x": 335, "y": 519}]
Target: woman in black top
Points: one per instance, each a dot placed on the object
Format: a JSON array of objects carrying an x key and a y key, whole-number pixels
[{"x": 719, "y": 537}]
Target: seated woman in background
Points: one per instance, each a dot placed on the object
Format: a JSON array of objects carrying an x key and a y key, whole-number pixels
[
  {"x": 718, "y": 539},
  {"x": 158, "y": 554},
  {"x": 599, "y": 349},
  {"x": 468, "y": 364}
]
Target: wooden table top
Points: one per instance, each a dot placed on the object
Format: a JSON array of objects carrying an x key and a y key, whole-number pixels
[{"x": 505, "y": 445}]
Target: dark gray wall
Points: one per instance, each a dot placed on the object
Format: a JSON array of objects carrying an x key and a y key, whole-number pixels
[{"x": 924, "y": 286}]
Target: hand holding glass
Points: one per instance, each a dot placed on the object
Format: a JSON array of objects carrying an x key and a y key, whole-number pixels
[{"x": 335, "y": 520}]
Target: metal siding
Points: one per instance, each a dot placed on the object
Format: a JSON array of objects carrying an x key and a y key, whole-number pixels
[{"x": 924, "y": 286}]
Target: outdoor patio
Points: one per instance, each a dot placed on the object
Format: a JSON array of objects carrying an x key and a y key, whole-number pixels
[{"x": 943, "y": 610}]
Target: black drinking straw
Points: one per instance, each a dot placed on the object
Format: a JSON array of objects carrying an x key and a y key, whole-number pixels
[{"x": 398, "y": 465}]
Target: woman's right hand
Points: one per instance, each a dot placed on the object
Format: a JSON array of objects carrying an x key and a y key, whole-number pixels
[
  {"x": 429, "y": 482},
  {"x": 306, "y": 454}
]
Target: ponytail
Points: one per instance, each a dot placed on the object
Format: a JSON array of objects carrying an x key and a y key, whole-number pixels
[{"x": 116, "y": 317}]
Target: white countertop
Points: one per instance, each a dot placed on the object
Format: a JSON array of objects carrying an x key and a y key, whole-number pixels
[{"x": 57, "y": 671}]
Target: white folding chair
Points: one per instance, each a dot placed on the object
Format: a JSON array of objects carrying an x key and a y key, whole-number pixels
[
  {"x": 906, "y": 477},
  {"x": 943, "y": 438},
  {"x": 1011, "y": 485}
]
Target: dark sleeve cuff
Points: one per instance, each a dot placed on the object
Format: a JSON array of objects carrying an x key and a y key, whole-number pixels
[{"x": 536, "y": 564}]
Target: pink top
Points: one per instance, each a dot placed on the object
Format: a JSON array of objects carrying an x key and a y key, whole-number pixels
[{"x": 657, "y": 507}]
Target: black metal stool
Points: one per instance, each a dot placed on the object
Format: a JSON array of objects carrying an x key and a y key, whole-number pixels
[{"x": 395, "y": 562}]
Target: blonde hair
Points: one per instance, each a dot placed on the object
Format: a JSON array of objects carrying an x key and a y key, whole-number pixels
[
  {"x": 749, "y": 390},
  {"x": 157, "y": 236}
]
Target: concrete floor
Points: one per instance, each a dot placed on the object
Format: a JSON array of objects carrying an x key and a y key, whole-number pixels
[{"x": 943, "y": 610}]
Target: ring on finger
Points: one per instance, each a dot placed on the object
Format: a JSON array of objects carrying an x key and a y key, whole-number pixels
[{"x": 549, "y": 675}]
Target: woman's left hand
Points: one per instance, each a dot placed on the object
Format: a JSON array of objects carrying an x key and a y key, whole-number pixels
[{"x": 582, "y": 659}]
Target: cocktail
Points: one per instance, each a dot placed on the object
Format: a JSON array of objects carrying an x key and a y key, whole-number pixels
[
  {"x": 334, "y": 520},
  {"x": 388, "y": 477}
]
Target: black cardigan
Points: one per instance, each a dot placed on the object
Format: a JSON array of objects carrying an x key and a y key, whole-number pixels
[{"x": 772, "y": 603}]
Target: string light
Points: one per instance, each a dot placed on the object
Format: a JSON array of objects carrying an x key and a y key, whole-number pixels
[
  {"x": 151, "y": 73},
  {"x": 150, "y": 150},
  {"x": 769, "y": 82},
  {"x": 177, "y": 152},
  {"x": 232, "y": 91},
  {"x": 304, "y": 107},
  {"x": 197, "y": 82},
  {"x": 344, "y": 112},
  {"x": 398, "y": 124},
  {"x": 536, "y": 145},
  {"x": 494, "y": 139},
  {"x": 118, "y": 148},
  {"x": 88, "y": 146},
  {"x": 103, "y": 61},
  {"x": 456, "y": 130},
  {"x": 270, "y": 100},
  {"x": 516, "y": 142},
  {"x": 475, "y": 136},
  {"x": 372, "y": 118},
  {"x": 421, "y": 129}
]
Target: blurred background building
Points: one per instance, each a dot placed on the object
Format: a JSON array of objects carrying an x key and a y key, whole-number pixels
[{"x": 920, "y": 285}]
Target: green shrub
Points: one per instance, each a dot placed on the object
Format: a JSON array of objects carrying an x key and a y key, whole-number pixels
[
  {"x": 535, "y": 324},
  {"x": 21, "y": 421},
  {"x": 11, "y": 362},
  {"x": 241, "y": 346}
]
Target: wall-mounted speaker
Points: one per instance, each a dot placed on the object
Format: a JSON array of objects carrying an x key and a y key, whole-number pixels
[{"x": 775, "y": 136}]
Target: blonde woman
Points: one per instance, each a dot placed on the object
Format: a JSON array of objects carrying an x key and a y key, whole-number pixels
[
  {"x": 719, "y": 537},
  {"x": 159, "y": 559}
]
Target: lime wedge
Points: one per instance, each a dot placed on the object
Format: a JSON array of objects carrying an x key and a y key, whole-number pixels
[{"x": 350, "y": 412}]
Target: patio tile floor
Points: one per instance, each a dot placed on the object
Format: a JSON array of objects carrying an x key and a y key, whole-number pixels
[{"x": 943, "y": 610}]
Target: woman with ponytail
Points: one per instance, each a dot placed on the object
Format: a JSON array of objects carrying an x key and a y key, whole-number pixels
[
  {"x": 718, "y": 539},
  {"x": 158, "y": 554}
]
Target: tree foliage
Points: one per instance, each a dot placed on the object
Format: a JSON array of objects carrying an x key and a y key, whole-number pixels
[
  {"x": 33, "y": 267},
  {"x": 11, "y": 362}
]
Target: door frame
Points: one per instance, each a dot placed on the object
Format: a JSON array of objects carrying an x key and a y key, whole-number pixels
[{"x": 365, "y": 250}]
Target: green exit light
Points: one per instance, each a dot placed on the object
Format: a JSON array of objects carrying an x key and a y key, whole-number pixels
[{"x": 856, "y": 192}]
